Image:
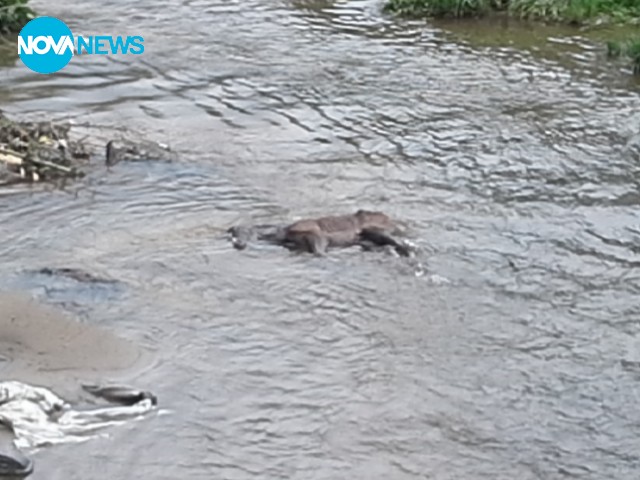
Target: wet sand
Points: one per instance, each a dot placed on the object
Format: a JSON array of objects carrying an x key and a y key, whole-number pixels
[{"x": 45, "y": 345}]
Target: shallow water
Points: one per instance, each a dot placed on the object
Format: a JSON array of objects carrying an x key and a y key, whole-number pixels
[{"x": 516, "y": 172}]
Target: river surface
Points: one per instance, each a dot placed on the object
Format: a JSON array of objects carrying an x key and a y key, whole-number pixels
[{"x": 518, "y": 174}]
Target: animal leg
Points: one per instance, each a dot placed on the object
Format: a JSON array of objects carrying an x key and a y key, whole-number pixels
[
  {"x": 316, "y": 243},
  {"x": 381, "y": 238}
]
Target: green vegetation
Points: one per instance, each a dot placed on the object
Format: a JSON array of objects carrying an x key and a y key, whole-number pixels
[
  {"x": 576, "y": 12},
  {"x": 572, "y": 11},
  {"x": 14, "y": 14},
  {"x": 439, "y": 8},
  {"x": 630, "y": 49}
]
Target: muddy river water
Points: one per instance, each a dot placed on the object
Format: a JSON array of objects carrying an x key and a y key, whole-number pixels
[{"x": 517, "y": 174}]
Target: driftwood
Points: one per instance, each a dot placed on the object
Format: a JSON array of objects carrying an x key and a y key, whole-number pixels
[
  {"x": 34, "y": 151},
  {"x": 123, "y": 150},
  {"x": 43, "y": 151}
]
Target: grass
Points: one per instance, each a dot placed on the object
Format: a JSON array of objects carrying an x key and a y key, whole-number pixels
[
  {"x": 437, "y": 8},
  {"x": 571, "y": 11},
  {"x": 630, "y": 49},
  {"x": 14, "y": 14}
]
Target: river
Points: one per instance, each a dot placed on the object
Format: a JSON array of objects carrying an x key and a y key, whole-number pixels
[{"x": 517, "y": 174}]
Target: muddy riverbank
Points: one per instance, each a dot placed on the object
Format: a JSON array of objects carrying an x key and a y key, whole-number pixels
[{"x": 44, "y": 345}]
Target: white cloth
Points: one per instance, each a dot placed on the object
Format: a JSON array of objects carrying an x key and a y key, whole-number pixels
[{"x": 39, "y": 417}]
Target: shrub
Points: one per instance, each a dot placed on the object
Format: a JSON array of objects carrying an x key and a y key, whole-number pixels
[
  {"x": 440, "y": 8},
  {"x": 571, "y": 11},
  {"x": 14, "y": 14}
]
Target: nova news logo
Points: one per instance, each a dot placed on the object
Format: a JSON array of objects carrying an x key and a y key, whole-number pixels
[{"x": 46, "y": 45}]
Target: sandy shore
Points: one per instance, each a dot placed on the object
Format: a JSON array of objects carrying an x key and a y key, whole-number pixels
[{"x": 42, "y": 344}]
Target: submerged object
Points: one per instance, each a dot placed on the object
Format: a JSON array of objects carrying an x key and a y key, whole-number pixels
[
  {"x": 13, "y": 463},
  {"x": 121, "y": 394}
]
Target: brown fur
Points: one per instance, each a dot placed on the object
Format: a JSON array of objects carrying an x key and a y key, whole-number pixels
[{"x": 316, "y": 235}]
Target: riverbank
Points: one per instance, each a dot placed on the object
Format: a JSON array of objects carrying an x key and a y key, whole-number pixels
[
  {"x": 579, "y": 12},
  {"x": 40, "y": 340},
  {"x": 583, "y": 13},
  {"x": 629, "y": 48},
  {"x": 14, "y": 14}
]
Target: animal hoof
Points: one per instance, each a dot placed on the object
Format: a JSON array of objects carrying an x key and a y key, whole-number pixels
[
  {"x": 238, "y": 244},
  {"x": 406, "y": 248}
]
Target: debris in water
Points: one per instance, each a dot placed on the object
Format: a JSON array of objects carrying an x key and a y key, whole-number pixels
[{"x": 37, "y": 151}]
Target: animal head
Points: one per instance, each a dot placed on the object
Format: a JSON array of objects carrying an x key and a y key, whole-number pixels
[
  {"x": 239, "y": 237},
  {"x": 369, "y": 218}
]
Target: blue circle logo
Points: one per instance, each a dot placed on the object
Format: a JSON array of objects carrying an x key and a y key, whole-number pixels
[{"x": 45, "y": 45}]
